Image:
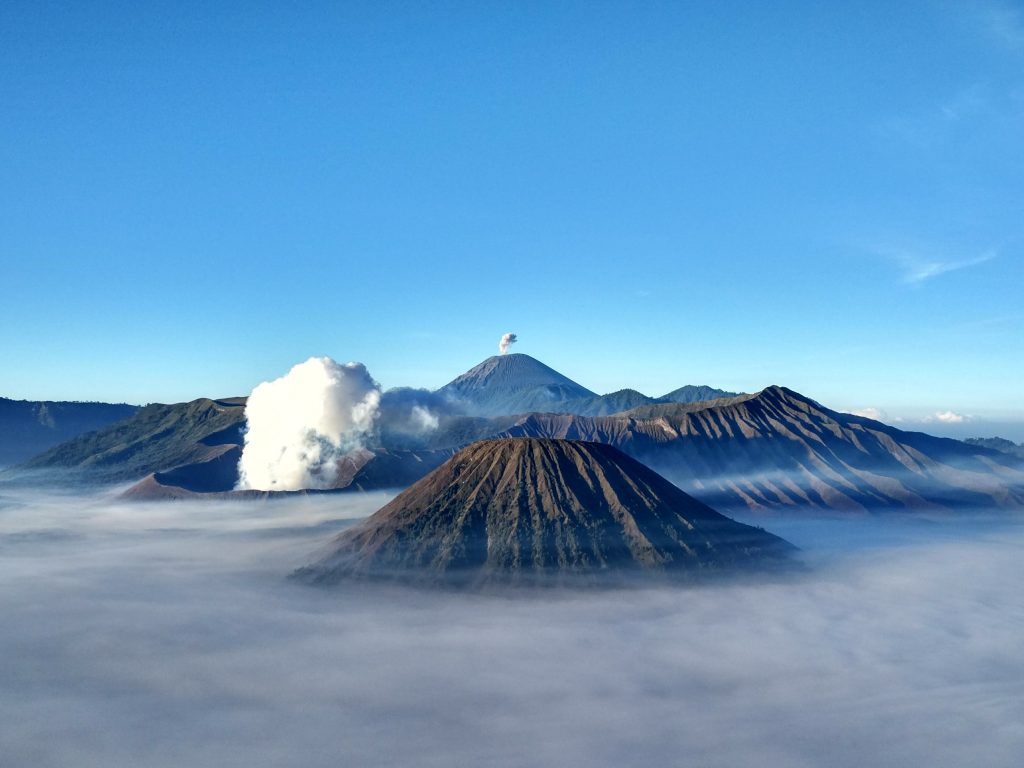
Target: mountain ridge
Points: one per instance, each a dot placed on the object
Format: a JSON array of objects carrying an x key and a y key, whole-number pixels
[
  {"x": 779, "y": 448},
  {"x": 773, "y": 449},
  {"x": 518, "y": 383}
]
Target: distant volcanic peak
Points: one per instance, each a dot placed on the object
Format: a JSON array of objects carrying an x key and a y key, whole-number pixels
[
  {"x": 513, "y": 383},
  {"x": 514, "y": 372},
  {"x": 526, "y": 508}
]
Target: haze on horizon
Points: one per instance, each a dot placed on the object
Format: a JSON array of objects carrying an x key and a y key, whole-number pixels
[{"x": 193, "y": 199}]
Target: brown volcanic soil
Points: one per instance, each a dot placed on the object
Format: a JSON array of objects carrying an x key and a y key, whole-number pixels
[{"x": 524, "y": 509}]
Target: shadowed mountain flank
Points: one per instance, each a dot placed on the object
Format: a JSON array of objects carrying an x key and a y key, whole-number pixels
[
  {"x": 30, "y": 427},
  {"x": 692, "y": 393},
  {"x": 778, "y": 448},
  {"x": 157, "y": 438},
  {"x": 521, "y": 510}
]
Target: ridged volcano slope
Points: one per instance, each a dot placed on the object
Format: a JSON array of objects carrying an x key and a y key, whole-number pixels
[
  {"x": 778, "y": 449},
  {"x": 525, "y": 509}
]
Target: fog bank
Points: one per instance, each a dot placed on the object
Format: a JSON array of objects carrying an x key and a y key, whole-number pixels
[{"x": 166, "y": 635}]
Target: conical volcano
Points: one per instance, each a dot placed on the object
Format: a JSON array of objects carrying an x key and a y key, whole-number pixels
[
  {"x": 514, "y": 383},
  {"x": 519, "y": 509}
]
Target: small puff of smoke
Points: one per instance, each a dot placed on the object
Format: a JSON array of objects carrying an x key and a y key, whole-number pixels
[
  {"x": 300, "y": 424},
  {"x": 506, "y": 341},
  {"x": 423, "y": 419}
]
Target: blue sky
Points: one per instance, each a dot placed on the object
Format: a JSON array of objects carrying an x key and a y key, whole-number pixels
[{"x": 194, "y": 197}]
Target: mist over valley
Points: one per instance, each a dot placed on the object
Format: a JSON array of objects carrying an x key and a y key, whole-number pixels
[{"x": 158, "y": 634}]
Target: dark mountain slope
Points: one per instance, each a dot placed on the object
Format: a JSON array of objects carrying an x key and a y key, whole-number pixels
[
  {"x": 695, "y": 393},
  {"x": 525, "y": 509},
  {"x": 30, "y": 427},
  {"x": 778, "y": 449},
  {"x": 157, "y": 438},
  {"x": 614, "y": 402}
]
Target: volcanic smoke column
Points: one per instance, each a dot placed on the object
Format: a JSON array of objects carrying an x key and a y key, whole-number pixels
[
  {"x": 300, "y": 424},
  {"x": 506, "y": 341}
]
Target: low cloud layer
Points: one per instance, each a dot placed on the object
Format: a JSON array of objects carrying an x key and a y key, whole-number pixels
[{"x": 165, "y": 635}]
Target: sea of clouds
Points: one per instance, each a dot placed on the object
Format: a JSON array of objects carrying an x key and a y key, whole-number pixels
[{"x": 167, "y": 635}]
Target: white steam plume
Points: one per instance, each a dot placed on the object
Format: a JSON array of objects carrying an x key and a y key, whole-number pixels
[
  {"x": 300, "y": 424},
  {"x": 423, "y": 419},
  {"x": 506, "y": 341}
]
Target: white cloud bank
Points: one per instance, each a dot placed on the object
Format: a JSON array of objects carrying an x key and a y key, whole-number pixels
[{"x": 164, "y": 635}]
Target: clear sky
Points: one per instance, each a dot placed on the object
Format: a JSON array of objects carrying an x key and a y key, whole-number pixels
[{"x": 829, "y": 196}]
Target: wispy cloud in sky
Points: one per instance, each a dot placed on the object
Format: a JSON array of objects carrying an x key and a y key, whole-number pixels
[
  {"x": 1005, "y": 22},
  {"x": 918, "y": 267},
  {"x": 966, "y": 103},
  {"x": 947, "y": 417}
]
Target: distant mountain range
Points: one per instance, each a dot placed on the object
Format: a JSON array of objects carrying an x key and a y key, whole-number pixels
[
  {"x": 29, "y": 427},
  {"x": 774, "y": 449},
  {"x": 777, "y": 448},
  {"x": 517, "y": 383}
]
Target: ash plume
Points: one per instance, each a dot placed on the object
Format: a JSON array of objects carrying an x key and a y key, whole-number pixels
[
  {"x": 300, "y": 424},
  {"x": 506, "y": 341}
]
